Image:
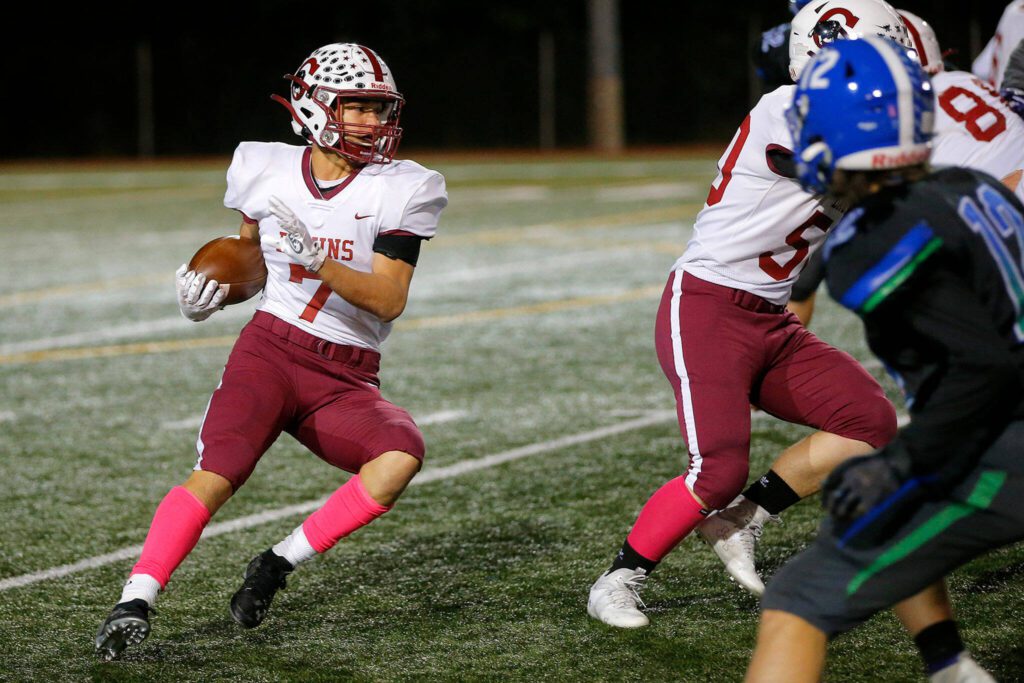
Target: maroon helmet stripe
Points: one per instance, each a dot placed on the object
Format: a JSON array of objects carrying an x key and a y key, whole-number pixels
[
  {"x": 916, "y": 37},
  {"x": 378, "y": 73}
]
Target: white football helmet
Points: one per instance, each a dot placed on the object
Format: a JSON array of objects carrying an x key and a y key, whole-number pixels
[
  {"x": 925, "y": 42},
  {"x": 820, "y": 23},
  {"x": 331, "y": 75}
]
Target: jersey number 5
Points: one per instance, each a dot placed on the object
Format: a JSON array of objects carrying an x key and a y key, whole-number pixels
[{"x": 796, "y": 240}]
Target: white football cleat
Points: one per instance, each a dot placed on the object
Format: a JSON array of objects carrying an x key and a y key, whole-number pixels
[
  {"x": 964, "y": 670},
  {"x": 733, "y": 534},
  {"x": 615, "y": 598}
]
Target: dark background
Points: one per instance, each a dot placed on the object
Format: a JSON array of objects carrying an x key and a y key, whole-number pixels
[{"x": 468, "y": 70}]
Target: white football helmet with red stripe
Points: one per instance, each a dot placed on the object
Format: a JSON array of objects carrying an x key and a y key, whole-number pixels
[
  {"x": 332, "y": 75},
  {"x": 820, "y": 23},
  {"x": 925, "y": 42}
]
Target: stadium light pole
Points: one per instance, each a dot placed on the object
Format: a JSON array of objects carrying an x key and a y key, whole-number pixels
[{"x": 605, "y": 119}]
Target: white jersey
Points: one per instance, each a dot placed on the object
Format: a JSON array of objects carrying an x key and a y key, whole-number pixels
[
  {"x": 758, "y": 226},
  {"x": 975, "y": 128},
  {"x": 401, "y": 197},
  {"x": 991, "y": 63}
]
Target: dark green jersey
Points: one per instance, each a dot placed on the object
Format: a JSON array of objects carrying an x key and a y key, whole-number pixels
[{"x": 935, "y": 270}]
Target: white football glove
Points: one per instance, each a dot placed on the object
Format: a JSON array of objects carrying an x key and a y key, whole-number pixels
[
  {"x": 296, "y": 243},
  {"x": 197, "y": 298}
]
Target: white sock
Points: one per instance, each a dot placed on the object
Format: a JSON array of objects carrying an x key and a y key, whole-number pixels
[
  {"x": 295, "y": 547},
  {"x": 141, "y": 586}
]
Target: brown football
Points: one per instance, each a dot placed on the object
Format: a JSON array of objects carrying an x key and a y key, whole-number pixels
[{"x": 233, "y": 260}]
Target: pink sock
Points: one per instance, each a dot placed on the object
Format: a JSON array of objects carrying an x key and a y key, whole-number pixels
[
  {"x": 668, "y": 516},
  {"x": 348, "y": 508},
  {"x": 177, "y": 525}
]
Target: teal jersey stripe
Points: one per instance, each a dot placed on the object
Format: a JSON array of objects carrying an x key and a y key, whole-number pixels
[
  {"x": 891, "y": 265},
  {"x": 981, "y": 497},
  {"x": 901, "y": 275}
]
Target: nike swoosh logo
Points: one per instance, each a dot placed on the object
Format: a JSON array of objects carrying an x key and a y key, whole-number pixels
[{"x": 359, "y": 218}]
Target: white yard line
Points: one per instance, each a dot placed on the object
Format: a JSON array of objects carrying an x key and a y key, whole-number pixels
[
  {"x": 428, "y": 476},
  {"x": 439, "y": 417},
  {"x": 187, "y": 423},
  {"x": 626, "y": 193},
  {"x": 427, "y": 286},
  {"x": 116, "y": 332},
  {"x": 489, "y": 195}
]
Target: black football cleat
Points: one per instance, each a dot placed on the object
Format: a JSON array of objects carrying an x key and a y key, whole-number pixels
[
  {"x": 264, "y": 576},
  {"x": 128, "y": 624}
]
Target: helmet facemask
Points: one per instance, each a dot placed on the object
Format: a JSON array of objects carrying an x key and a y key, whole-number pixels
[{"x": 318, "y": 109}]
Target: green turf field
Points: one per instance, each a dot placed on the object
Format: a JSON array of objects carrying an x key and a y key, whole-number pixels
[{"x": 528, "y": 337}]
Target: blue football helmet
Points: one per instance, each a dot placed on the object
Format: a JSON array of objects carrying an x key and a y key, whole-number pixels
[
  {"x": 860, "y": 104},
  {"x": 797, "y": 5}
]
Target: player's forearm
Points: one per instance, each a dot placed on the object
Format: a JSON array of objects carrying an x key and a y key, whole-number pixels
[{"x": 372, "y": 292}]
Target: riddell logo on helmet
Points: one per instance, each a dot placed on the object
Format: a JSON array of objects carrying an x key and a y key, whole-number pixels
[{"x": 897, "y": 160}]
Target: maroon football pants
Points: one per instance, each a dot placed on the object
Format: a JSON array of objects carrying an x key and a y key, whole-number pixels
[
  {"x": 723, "y": 349},
  {"x": 280, "y": 378}
]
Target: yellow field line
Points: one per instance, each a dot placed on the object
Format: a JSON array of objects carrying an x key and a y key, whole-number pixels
[
  {"x": 542, "y": 232},
  {"x": 34, "y": 295},
  {"x": 528, "y": 309},
  {"x": 429, "y": 322},
  {"x": 115, "y": 350}
]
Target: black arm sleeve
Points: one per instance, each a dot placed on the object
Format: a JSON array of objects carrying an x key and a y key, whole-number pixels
[
  {"x": 810, "y": 277},
  {"x": 398, "y": 247}
]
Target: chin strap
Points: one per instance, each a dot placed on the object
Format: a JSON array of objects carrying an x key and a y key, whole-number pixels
[
  {"x": 814, "y": 167},
  {"x": 388, "y": 142}
]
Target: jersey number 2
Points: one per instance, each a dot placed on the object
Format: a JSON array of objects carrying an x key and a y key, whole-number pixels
[{"x": 998, "y": 222}]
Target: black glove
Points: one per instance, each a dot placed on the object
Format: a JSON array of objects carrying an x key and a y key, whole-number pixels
[
  {"x": 1014, "y": 98},
  {"x": 869, "y": 484},
  {"x": 858, "y": 485}
]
